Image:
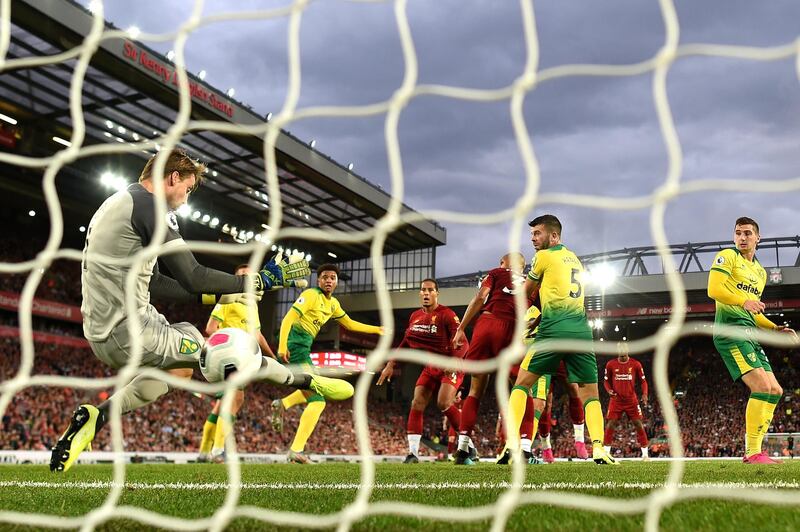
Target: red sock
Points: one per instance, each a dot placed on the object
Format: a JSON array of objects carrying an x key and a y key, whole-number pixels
[
  {"x": 469, "y": 413},
  {"x": 526, "y": 427},
  {"x": 452, "y": 440},
  {"x": 545, "y": 423},
  {"x": 453, "y": 415},
  {"x": 414, "y": 422},
  {"x": 642, "y": 436},
  {"x": 609, "y": 436},
  {"x": 576, "y": 411}
]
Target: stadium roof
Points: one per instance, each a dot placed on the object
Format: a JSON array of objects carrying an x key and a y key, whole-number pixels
[
  {"x": 129, "y": 96},
  {"x": 639, "y": 287}
]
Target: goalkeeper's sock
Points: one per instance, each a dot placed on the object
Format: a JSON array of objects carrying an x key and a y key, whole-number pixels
[
  {"x": 308, "y": 422},
  {"x": 209, "y": 428},
  {"x": 594, "y": 420},
  {"x": 767, "y": 413},
  {"x": 280, "y": 374},
  {"x": 516, "y": 411},
  {"x": 293, "y": 399},
  {"x": 754, "y": 422},
  {"x": 224, "y": 426}
]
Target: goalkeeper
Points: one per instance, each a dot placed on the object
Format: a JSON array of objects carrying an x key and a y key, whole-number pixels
[{"x": 121, "y": 227}]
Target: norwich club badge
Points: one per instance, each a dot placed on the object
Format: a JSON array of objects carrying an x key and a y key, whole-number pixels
[{"x": 189, "y": 346}]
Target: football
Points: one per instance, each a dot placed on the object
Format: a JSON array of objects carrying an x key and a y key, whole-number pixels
[{"x": 229, "y": 350}]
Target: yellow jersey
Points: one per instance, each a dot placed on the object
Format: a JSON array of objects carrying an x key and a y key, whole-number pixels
[
  {"x": 237, "y": 315},
  {"x": 315, "y": 310},
  {"x": 745, "y": 279},
  {"x": 559, "y": 273}
]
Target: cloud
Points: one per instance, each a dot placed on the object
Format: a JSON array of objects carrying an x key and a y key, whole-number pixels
[{"x": 736, "y": 119}]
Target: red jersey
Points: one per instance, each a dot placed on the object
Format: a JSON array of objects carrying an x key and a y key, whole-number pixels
[
  {"x": 621, "y": 378},
  {"x": 502, "y": 283},
  {"x": 432, "y": 331}
]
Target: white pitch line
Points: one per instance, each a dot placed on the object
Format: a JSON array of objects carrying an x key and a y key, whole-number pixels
[{"x": 209, "y": 486}]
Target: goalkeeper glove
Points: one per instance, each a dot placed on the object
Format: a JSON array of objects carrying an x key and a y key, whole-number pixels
[{"x": 278, "y": 273}]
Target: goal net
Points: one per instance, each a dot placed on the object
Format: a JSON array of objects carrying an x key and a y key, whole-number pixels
[{"x": 515, "y": 215}]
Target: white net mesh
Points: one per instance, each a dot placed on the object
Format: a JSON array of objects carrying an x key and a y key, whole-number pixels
[{"x": 528, "y": 79}]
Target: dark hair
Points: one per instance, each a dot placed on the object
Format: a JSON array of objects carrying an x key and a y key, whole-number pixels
[
  {"x": 327, "y": 267},
  {"x": 549, "y": 221},
  {"x": 177, "y": 161},
  {"x": 429, "y": 280},
  {"x": 744, "y": 220}
]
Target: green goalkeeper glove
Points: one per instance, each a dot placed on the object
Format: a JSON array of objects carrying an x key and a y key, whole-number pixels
[{"x": 278, "y": 273}]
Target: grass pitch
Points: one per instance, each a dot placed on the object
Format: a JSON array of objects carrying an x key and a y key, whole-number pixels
[{"x": 196, "y": 491}]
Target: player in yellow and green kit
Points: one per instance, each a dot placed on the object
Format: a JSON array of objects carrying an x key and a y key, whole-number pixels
[
  {"x": 557, "y": 275},
  {"x": 300, "y": 326},
  {"x": 736, "y": 283},
  {"x": 242, "y": 314}
]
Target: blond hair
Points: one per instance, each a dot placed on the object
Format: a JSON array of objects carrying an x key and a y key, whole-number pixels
[{"x": 177, "y": 161}]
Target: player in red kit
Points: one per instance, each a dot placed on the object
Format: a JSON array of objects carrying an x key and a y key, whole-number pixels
[
  {"x": 621, "y": 375},
  {"x": 431, "y": 328},
  {"x": 495, "y": 309}
]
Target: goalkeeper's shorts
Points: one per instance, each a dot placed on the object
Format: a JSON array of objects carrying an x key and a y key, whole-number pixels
[{"x": 164, "y": 345}]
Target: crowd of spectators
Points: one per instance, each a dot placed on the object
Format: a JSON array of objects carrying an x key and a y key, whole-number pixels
[
  {"x": 710, "y": 409},
  {"x": 36, "y": 416}
]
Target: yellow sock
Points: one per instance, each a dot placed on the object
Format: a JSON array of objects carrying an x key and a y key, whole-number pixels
[
  {"x": 594, "y": 420},
  {"x": 308, "y": 421},
  {"x": 209, "y": 428},
  {"x": 295, "y": 398},
  {"x": 768, "y": 410},
  {"x": 754, "y": 422},
  {"x": 516, "y": 410},
  {"x": 224, "y": 427}
]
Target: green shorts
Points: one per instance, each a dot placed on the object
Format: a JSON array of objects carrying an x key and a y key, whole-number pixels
[
  {"x": 299, "y": 345},
  {"x": 741, "y": 356},
  {"x": 541, "y": 387},
  {"x": 581, "y": 367}
]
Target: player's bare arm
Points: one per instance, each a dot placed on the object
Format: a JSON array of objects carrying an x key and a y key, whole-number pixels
[
  {"x": 474, "y": 307},
  {"x": 212, "y": 326},
  {"x": 386, "y": 374}
]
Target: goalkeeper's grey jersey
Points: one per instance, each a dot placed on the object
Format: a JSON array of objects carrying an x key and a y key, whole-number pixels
[{"x": 122, "y": 226}]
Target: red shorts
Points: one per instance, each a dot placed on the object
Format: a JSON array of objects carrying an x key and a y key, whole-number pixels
[
  {"x": 490, "y": 336},
  {"x": 629, "y": 406},
  {"x": 432, "y": 377}
]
